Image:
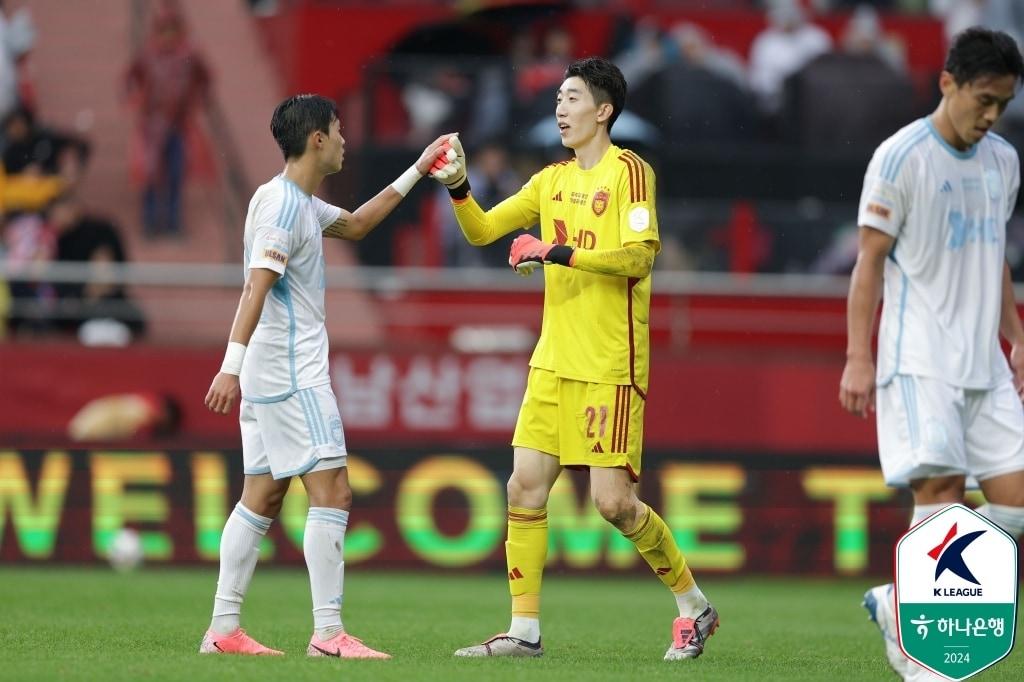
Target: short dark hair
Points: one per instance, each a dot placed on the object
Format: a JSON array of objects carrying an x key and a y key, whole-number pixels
[
  {"x": 297, "y": 117},
  {"x": 606, "y": 83},
  {"x": 980, "y": 52}
]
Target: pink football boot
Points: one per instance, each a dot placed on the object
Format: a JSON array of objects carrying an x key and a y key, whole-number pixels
[
  {"x": 342, "y": 645},
  {"x": 236, "y": 643}
]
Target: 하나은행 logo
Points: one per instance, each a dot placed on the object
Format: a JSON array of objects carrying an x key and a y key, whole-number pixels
[{"x": 956, "y": 592}]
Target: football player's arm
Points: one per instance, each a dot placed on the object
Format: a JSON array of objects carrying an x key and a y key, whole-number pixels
[
  {"x": 224, "y": 390},
  {"x": 857, "y": 385},
  {"x": 884, "y": 203},
  {"x": 357, "y": 224},
  {"x": 484, "y": 227},
  {"x": 635, "y": 260}
]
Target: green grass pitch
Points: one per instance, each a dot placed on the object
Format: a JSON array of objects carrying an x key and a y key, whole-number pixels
[{"x": 74, "y": 623}]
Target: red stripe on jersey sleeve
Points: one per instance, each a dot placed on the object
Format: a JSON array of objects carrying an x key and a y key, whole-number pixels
[
  {"x": 632, "y": 176},
  {"x": 642, "y": 189}
]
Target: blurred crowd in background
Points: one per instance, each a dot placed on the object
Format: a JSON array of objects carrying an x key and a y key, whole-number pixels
[
  {"x": 759, "y": 151},
  {"x": 45, "y": 217},
  {"x": 759, "y": 155}
]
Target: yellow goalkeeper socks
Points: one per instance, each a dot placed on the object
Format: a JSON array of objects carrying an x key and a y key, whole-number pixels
[
  {"x": 526, "y": 550},
  {"x": 658, "y": 547}
]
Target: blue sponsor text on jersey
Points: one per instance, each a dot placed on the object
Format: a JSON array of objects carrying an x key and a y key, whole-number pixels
[{"x": 965, "y": 230}]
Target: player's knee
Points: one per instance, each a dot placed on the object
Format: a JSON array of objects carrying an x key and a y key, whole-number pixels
[
  {"x": 272, "y": 505},
  {"x": 615, "y": 509},
  {"x": 946, "y": 489},
  {"x": 522, "y": 494},
  {"x": 335, "y": 497},
  {"x": 265, "y": 503}
]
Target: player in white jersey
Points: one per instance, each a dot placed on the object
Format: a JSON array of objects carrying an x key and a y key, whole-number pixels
[
  {"x": 933, "y": 212},
  {"x": 276, "y": 362}
]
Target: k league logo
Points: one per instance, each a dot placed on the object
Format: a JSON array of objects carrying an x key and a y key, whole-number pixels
[{"x": 956, "y": 588}]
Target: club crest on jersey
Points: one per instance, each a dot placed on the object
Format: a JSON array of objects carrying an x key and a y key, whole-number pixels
[{"x": 600, "y": 201}]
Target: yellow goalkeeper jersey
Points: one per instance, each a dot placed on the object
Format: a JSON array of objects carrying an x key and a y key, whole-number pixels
[{"x": 595, "y": 326}]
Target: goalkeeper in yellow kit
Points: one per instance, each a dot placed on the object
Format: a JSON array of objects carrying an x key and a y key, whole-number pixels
[{"x": 585, "y": 394}]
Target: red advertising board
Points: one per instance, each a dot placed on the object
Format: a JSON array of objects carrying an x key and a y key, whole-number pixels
[{"x": 736, "y": 402}]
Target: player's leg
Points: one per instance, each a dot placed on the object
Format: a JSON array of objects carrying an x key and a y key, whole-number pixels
[
  {"x": 323, "y": 544},
  {"x": 526, "y": 550},
  {"x": 921, "y": 446},
  {"x": 1004, "y": 495},
  {"x": 995, "y": 454},
  {"x": 318, "y": 438},
  {"x": 535, "y": 469},
  {"x": 526, "y": 547},
  {"x": 614, "y": 495},
  {"x": 239, "y": 544}
]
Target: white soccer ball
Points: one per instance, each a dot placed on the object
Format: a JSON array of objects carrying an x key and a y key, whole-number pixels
[{"x": 125, "y": 551}]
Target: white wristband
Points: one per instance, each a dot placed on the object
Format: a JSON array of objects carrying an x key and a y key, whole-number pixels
[
  {"x": 233, "y": 359},
  {"x": 406, "y": 180}
]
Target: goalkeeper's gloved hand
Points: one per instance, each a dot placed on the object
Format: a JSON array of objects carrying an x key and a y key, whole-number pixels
[
  {"x": 529, "y": 253},
  {"x": 450, "y": 167}
]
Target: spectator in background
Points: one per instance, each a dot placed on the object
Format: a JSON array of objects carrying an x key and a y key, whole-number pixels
[
  {"x": 863, "y": 36},
  {"x": 492, "y": 179},
  {"x": 722, "y": 111},
  {"x": 432, "y": 97},
  {"x": 538, "y": 79},
  {"x": 36, "y": 150},
  {"x": 697, "y": 49},
  {"x": 29, "y": 246},
  {"x": 846, "y": 100},
  {"x": 17, "y": 35},
  {"x": 169, "y": 80},
  {"x": 100, "y": 312},
  {"x": 957, "y": 14},
  {"x": 647, "y": 54},
  {"x": 782, "y": 49}
]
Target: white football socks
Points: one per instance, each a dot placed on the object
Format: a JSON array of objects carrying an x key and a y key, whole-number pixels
[
  {"x": 239, "y": 549},
  {"x": 324, "y": 547},
  {"x": 691, "y": 603},
  {"x": 1010, "y": 519},
  {"x": 923, "y": 511},
  {"x": 526, "y": 629}
]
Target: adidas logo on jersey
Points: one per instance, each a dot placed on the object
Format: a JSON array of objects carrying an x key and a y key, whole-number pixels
[
  {"x": 557, "y": 197},
  {"x": 597, "y": 448},
  {"x": 946, "y": 188}
]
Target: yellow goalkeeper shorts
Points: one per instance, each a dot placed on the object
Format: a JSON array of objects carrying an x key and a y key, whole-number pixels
[{"x": 583, "y": 424}]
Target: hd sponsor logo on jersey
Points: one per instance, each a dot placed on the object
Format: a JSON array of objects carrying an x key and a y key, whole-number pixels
[
  {"x": 600, "y": 202},
  {"x": 956, "y": 589}
]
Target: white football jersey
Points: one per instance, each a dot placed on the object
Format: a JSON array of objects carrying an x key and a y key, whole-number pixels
[
  {"x": 943, "y": 288},
  {"x": 283, "y": 233}
]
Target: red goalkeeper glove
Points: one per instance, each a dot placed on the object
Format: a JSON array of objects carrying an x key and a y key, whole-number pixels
[{"x": 529, "y": 253}]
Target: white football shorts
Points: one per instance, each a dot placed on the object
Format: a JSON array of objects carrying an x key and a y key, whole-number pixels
[
  {"x": 928, "y": 429},
  {"x": 294, "y": 436}
]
